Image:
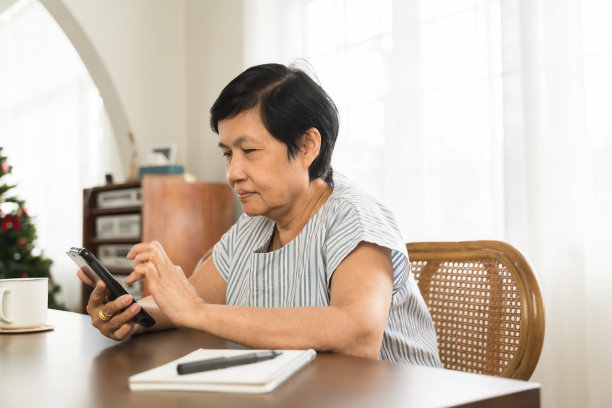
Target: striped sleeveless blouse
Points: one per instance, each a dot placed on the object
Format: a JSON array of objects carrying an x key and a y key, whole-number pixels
[{"x": 299, "y": 273}]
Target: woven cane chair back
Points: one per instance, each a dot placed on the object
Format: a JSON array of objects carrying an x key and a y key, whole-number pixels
[{"x": 485, "y": 303}]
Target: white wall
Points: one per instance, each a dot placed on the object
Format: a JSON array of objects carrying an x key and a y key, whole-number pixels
[
  {"x": 140, "y": 43},
  {"x": 214, "y": 55},
  {"x": 167, "y": 60}
]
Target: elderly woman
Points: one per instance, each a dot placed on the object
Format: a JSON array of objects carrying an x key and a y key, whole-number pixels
[{"x": 314, "y": 262}]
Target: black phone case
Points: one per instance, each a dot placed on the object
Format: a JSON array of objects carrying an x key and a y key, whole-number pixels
[{"x": 114, "y": 287}]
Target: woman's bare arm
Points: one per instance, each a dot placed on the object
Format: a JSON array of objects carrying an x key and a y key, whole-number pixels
[{"x": 353, "y": 323}]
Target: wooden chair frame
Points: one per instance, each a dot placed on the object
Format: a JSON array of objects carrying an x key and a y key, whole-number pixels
[{"x": 532, "y": 320}]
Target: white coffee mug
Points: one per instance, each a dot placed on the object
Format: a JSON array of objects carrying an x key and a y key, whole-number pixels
[{"x": 23, "y": 302}]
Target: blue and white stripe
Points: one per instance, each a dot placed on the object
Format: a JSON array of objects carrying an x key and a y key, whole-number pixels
[{"x": 299, "y": 273}]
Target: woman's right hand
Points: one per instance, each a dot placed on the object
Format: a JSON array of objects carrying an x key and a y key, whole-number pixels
[{"x": 108, "y": 317}]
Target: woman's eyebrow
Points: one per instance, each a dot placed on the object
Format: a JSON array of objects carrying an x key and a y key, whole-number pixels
[{"x": 238, "y": 142}]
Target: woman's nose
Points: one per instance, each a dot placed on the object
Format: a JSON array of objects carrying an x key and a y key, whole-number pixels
[{"x": 234, "y": 171}]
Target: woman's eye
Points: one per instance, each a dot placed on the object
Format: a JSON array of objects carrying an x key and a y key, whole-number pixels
[
  {"x": 227, "y": 155},
  {"x": 247, "y": 151}
]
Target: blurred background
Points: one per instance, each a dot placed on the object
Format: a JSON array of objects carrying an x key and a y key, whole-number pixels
[{"x": 470, "y": 119}]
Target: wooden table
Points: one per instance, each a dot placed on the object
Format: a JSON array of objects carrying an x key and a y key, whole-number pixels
[{"x": 75, "y": 366}]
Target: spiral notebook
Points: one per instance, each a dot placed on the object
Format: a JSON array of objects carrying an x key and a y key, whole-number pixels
[{"x": 260, "y": 377}]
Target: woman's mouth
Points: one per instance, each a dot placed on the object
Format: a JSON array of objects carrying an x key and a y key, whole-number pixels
[{"x": 243, "y": 195}]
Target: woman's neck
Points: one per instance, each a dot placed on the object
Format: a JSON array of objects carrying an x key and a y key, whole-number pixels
[{"x": 289, "y": 226}]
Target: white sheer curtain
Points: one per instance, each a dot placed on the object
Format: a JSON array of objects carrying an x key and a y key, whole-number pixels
[
  {"x": 52, "y": 125},
  {"x": 479, "y": 119},
  {"x": 394, "y": 68}
]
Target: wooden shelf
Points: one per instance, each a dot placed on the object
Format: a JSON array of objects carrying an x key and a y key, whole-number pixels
[
  {"x": 186, "y": 217},
  {"x": 115, "y": 186},
  {"x": 117, "y": 210},
  {"x": 98, "y": 241}
]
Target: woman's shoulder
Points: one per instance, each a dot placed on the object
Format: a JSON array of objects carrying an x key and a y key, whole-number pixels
[
  {"x": 351, "y": 206},
  {"x": 347, "y": 188},
  {"x": 349, "y": 198}
]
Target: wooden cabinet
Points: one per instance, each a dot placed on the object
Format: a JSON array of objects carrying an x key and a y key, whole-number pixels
[{"x": 187, "y": 218}]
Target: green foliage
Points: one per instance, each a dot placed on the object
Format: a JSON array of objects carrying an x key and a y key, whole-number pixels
[{"x": 17, "y": 236}]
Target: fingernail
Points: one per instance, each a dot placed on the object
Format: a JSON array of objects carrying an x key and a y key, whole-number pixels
[
  {"x": 127, "y": 300},
  {"x": 134, "y": 307}
]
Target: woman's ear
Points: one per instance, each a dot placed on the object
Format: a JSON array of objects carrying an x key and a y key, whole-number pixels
[{"x": 311, "y": 145}]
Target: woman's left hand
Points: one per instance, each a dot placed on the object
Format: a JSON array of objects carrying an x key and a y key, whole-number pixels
[{"x": 173, "y": 293}]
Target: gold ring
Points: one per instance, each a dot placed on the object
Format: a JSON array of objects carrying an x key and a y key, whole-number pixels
[{"x": 103, "y": 317}]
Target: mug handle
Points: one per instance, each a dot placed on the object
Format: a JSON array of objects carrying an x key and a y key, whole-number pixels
[{"x": 2, "y": 316}]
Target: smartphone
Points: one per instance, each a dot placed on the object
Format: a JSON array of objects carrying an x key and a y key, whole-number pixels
[{"x": 96, "y": 271}]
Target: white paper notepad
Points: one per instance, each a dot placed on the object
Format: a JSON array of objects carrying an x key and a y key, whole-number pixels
[{"x": 260, "y": 377}]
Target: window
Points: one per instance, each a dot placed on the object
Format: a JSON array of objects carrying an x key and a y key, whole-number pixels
[{"x": 419, "y": 88}]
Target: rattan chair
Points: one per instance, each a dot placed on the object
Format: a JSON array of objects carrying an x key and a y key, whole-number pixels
[{"x": 485, "y": 303}]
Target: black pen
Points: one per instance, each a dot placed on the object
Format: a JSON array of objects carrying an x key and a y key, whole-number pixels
[{"x": 223, "y": 362}]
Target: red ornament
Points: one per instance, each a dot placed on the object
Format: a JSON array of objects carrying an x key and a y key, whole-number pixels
[
  {"x": 24, "y": 275},
  {"x": 11, "y": 222},
  {"x": 22, "y": 242},
  {"x": 5, "y": 168},
  {"x": 6, "y": 223}
]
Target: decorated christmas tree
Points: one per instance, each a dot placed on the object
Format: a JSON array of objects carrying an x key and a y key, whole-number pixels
[{"x": 17, "y": 236}]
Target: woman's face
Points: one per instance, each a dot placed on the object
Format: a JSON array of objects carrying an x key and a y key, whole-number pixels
[{"x": 258, "y": 167}]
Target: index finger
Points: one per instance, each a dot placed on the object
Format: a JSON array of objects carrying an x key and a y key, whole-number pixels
[
  {"x": 136, "y": 249},
  {"x": 145, "y": 246}
]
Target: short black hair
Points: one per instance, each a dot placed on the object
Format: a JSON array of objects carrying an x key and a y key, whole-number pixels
[{"x": 290, "y": 102}]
